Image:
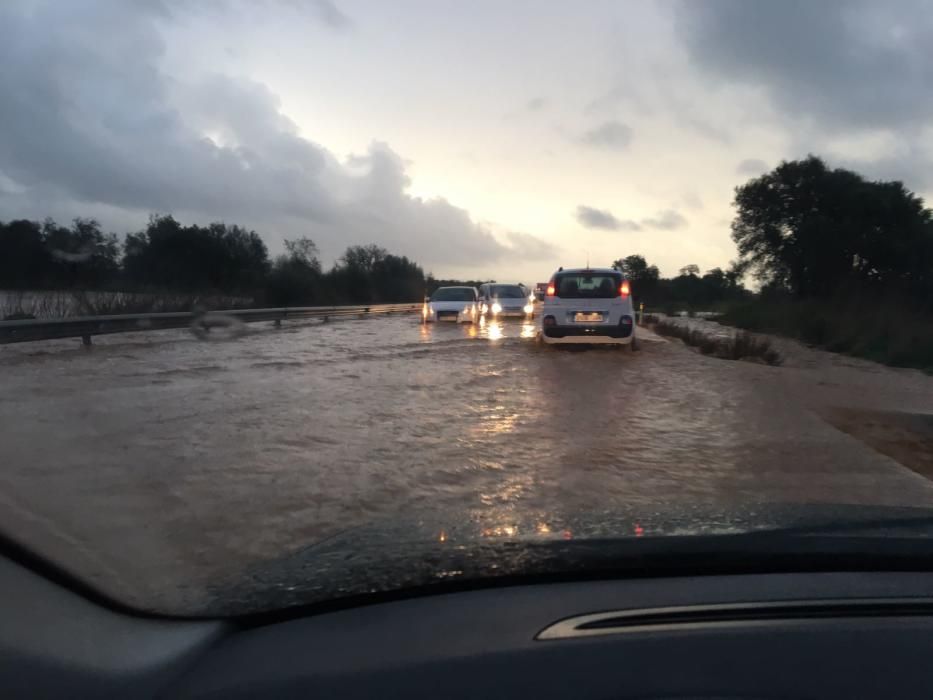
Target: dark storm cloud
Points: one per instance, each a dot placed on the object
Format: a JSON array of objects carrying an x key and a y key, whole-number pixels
[
  {"x": 324, "y": 11},
  {"x": 597, "y": 218},
  {"x": 536, "y": 104},
  {"x": 667, "y": 220},
  {"x": 751, "y": 166},
  {"x": 852, "y": 62},
  {"x": 88, "y": 117},
  {"x": 613, "y": 135},
  {"x": 913, "y": 168},
  {"x": 329, "y": 13}
]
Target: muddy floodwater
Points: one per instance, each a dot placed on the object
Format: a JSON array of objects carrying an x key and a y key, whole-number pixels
[{"x": 155, "y": 464}]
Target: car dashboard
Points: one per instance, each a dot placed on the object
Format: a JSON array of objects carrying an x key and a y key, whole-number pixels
[{"x": 801, "y": 635}]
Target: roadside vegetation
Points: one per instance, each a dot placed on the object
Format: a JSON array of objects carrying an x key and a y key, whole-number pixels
[
  {"x": 889, "y": 333},
  {"x": 844, "y": 263},
  {"x": 740, "y": 345},
  {"x": 168, "y": 266},
  {"x": 688, "y": 291}
]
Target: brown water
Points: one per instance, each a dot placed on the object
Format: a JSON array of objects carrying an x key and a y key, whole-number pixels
[{"x": 156, "y": 464}]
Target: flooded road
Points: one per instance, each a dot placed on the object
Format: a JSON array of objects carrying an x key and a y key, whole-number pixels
[{"x": 156, "y": 464}]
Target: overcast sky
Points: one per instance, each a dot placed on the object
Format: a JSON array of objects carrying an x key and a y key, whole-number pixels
[{"x": 489, "y": 138}]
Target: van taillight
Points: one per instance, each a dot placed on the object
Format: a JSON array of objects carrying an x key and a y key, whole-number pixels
[
  {"x": 550, "y": 290},
  {"x": 549, "y": 322},
  {"x": 625, "y": 290}
]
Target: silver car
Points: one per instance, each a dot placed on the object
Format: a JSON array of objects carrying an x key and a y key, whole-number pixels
[{"x": 505, "y": 301}]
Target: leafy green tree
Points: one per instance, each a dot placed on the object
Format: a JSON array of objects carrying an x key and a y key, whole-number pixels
[
  {"x": 218, "y": 257},
  {"x": 25, "y": 261},
  {"x": 296, "y": 279},
  {"x": 637, "y": 269},
  {"x": 815, "y": 232},
  {"x": 305, "y": 250},
  {"x": 644, "y": 277},
  {"x": 83, "y": 255},
  {"x": 690, "y": 271}
]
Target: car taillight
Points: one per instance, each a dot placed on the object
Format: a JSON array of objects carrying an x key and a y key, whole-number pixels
[
  {"x": 550, "y": 290},
  {"x": 625, "y": 290}
]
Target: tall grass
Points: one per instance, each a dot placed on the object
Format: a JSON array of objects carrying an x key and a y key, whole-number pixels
[
  {"x": 887, "y": 332},
  {"x": 65, "y": 304},
  {"x": 737, "y": 346}
]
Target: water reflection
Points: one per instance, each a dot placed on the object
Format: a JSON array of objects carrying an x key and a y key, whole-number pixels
[
  {"x": 498, "y": 424},
  {"x": 500, "y": 531},
  {"x": 490, "y": 329}
]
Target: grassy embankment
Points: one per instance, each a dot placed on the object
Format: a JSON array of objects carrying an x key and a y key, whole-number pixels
[
  {"x": 889, "y": 333},
  {"x": 740, "y": 346}
]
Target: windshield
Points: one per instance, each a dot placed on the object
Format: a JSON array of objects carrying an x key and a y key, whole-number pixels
[
  {"x": 507, "y": 291},
  {"x": 240, "y": 364},
  {"x": 453, "y": 294}
]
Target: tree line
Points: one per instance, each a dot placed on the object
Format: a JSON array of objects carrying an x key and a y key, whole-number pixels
[
  {"x": 844, "y": 262},
  {"x": 804, "y": 231},
  {"x": 808, "y": 231},
  {"x": 215, "y": 259},
  {"x": 688, "y": 290}
]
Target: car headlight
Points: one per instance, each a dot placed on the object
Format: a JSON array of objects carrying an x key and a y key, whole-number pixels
[
  {"x": 529, "y": 308},
  {"x": 484, "y": 309},
  {"x": 496, "y": 307}
]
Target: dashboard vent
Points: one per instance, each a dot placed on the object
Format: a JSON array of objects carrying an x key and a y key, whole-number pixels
[{"x": 640, "y": 620}]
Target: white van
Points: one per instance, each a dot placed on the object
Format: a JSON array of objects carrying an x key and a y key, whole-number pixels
[{"x": 588, "y": 305}]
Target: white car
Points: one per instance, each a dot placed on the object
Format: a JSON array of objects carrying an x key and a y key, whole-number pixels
[
  {"x": 457, "y": 304},
  {"x": 505, "y": 301},
  {"x": 587, "y": 306}
]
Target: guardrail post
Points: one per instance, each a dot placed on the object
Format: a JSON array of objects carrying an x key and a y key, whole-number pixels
[{"x": 86, "y": 341}]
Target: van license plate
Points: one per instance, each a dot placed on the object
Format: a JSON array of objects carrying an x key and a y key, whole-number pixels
[{"x": 584, "y": 317}]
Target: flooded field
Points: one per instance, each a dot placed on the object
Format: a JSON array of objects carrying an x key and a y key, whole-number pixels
[{"x": 157, "y": 464}]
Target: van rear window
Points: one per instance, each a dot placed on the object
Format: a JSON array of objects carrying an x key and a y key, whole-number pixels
[{"x": 582, "y": 285}]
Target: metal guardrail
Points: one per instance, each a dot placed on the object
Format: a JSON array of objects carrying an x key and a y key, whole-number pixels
[{"x": 85, "y": 327}]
